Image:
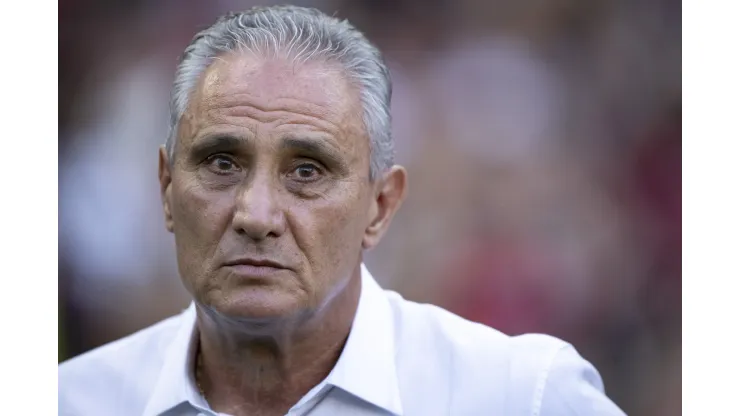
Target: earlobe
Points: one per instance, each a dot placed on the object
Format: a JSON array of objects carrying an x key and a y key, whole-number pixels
[
  {"x": 165, "y": 186},
  {"x": 391, "y": 194}
]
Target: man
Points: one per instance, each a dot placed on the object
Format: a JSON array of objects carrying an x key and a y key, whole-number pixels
[{"x": 277, "y": 174}]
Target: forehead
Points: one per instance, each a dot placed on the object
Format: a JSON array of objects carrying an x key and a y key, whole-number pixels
[{"x": 314, "y": 89}]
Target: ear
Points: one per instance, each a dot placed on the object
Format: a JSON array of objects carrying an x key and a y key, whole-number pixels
[
  {"x": 390, "y": 191},
  {"x": 165, "y": 187}
]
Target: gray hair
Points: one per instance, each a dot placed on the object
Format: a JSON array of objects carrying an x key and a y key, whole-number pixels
[{"x": 300, "y": 34}]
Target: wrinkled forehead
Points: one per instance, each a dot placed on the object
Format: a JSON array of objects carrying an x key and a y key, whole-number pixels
[
  {"x": 316, "y": 88},
  {"x": 316, "y": 81}
]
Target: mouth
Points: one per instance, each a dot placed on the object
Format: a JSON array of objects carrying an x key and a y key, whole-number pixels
[{"x": 255, "y": 268}]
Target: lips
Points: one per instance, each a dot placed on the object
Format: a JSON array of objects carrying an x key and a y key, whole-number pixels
[
  {"x": 255, "y": 263},
  {"x": 255, "y": 268}
]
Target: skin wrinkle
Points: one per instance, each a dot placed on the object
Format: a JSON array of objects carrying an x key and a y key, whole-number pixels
[
  {"x": 324, "y": 67},
  {"x": 218, "y": 101},
  {"x": 265, "y": 343},
  {"x": 275, "y": 115}
]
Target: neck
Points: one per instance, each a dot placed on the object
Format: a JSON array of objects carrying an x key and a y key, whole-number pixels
[{"x": 267, "y": 367}]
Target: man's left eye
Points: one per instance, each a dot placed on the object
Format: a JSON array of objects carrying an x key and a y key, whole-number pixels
[{"x": 306, "y": 172}]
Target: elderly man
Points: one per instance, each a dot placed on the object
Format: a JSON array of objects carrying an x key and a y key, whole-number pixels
[{"x": 277, "y": 174}]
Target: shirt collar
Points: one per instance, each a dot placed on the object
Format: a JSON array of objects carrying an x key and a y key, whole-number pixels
[
  {"x": 366, "y": 367},
  {"x": 176, "y": 384}
]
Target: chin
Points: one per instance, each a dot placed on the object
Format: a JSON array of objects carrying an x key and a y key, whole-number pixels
[{"x": 259, "y": 305}]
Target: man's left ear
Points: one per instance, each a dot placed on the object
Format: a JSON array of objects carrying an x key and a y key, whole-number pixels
[{"x": 390, "y": 193}]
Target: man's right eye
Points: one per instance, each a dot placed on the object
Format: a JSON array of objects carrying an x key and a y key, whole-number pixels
[{"x": 222, "y": 165}]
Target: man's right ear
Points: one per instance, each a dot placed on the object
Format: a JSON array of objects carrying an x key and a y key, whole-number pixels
[{"x": 165, "y": 187}]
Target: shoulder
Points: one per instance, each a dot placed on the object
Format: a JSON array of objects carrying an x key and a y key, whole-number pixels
[
  {"x": 466, "y": 342},
  {"x": 127, "y": 369},
  {"x": 480, "y": 369}
]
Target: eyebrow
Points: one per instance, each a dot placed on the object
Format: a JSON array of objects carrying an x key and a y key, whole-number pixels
[
  {"x": 311, "y": 146},
  {"x": 227, "y": 143},
  {"x": 216, "y": 143}
]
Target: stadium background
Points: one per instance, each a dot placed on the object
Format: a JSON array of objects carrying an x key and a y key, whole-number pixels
[{"x": 542, "y": 139}]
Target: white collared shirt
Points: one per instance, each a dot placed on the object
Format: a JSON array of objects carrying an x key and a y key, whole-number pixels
[{"x": 401, "y": 358}]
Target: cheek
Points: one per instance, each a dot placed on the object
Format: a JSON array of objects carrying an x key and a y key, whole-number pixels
[
  {"x": 329, "y": 233},
  {"x": 199, "y": 218}
]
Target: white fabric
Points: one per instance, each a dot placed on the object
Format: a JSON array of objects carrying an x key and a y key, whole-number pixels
[{"x": 401, "y": 358}]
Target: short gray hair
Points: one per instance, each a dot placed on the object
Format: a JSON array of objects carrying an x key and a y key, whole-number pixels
[{"x": 300, "y": 34}]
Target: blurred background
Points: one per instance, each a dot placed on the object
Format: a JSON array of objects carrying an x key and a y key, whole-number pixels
[{"x": 542, "y": 139}]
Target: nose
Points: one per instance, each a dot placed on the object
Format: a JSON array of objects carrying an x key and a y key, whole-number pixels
[{"x": 258, "y": 214}]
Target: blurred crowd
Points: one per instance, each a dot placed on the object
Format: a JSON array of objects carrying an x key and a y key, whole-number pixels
[{"x": 542, "y": 140}]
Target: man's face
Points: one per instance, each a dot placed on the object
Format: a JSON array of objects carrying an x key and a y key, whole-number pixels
[{"x": 269, "y": 195}]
